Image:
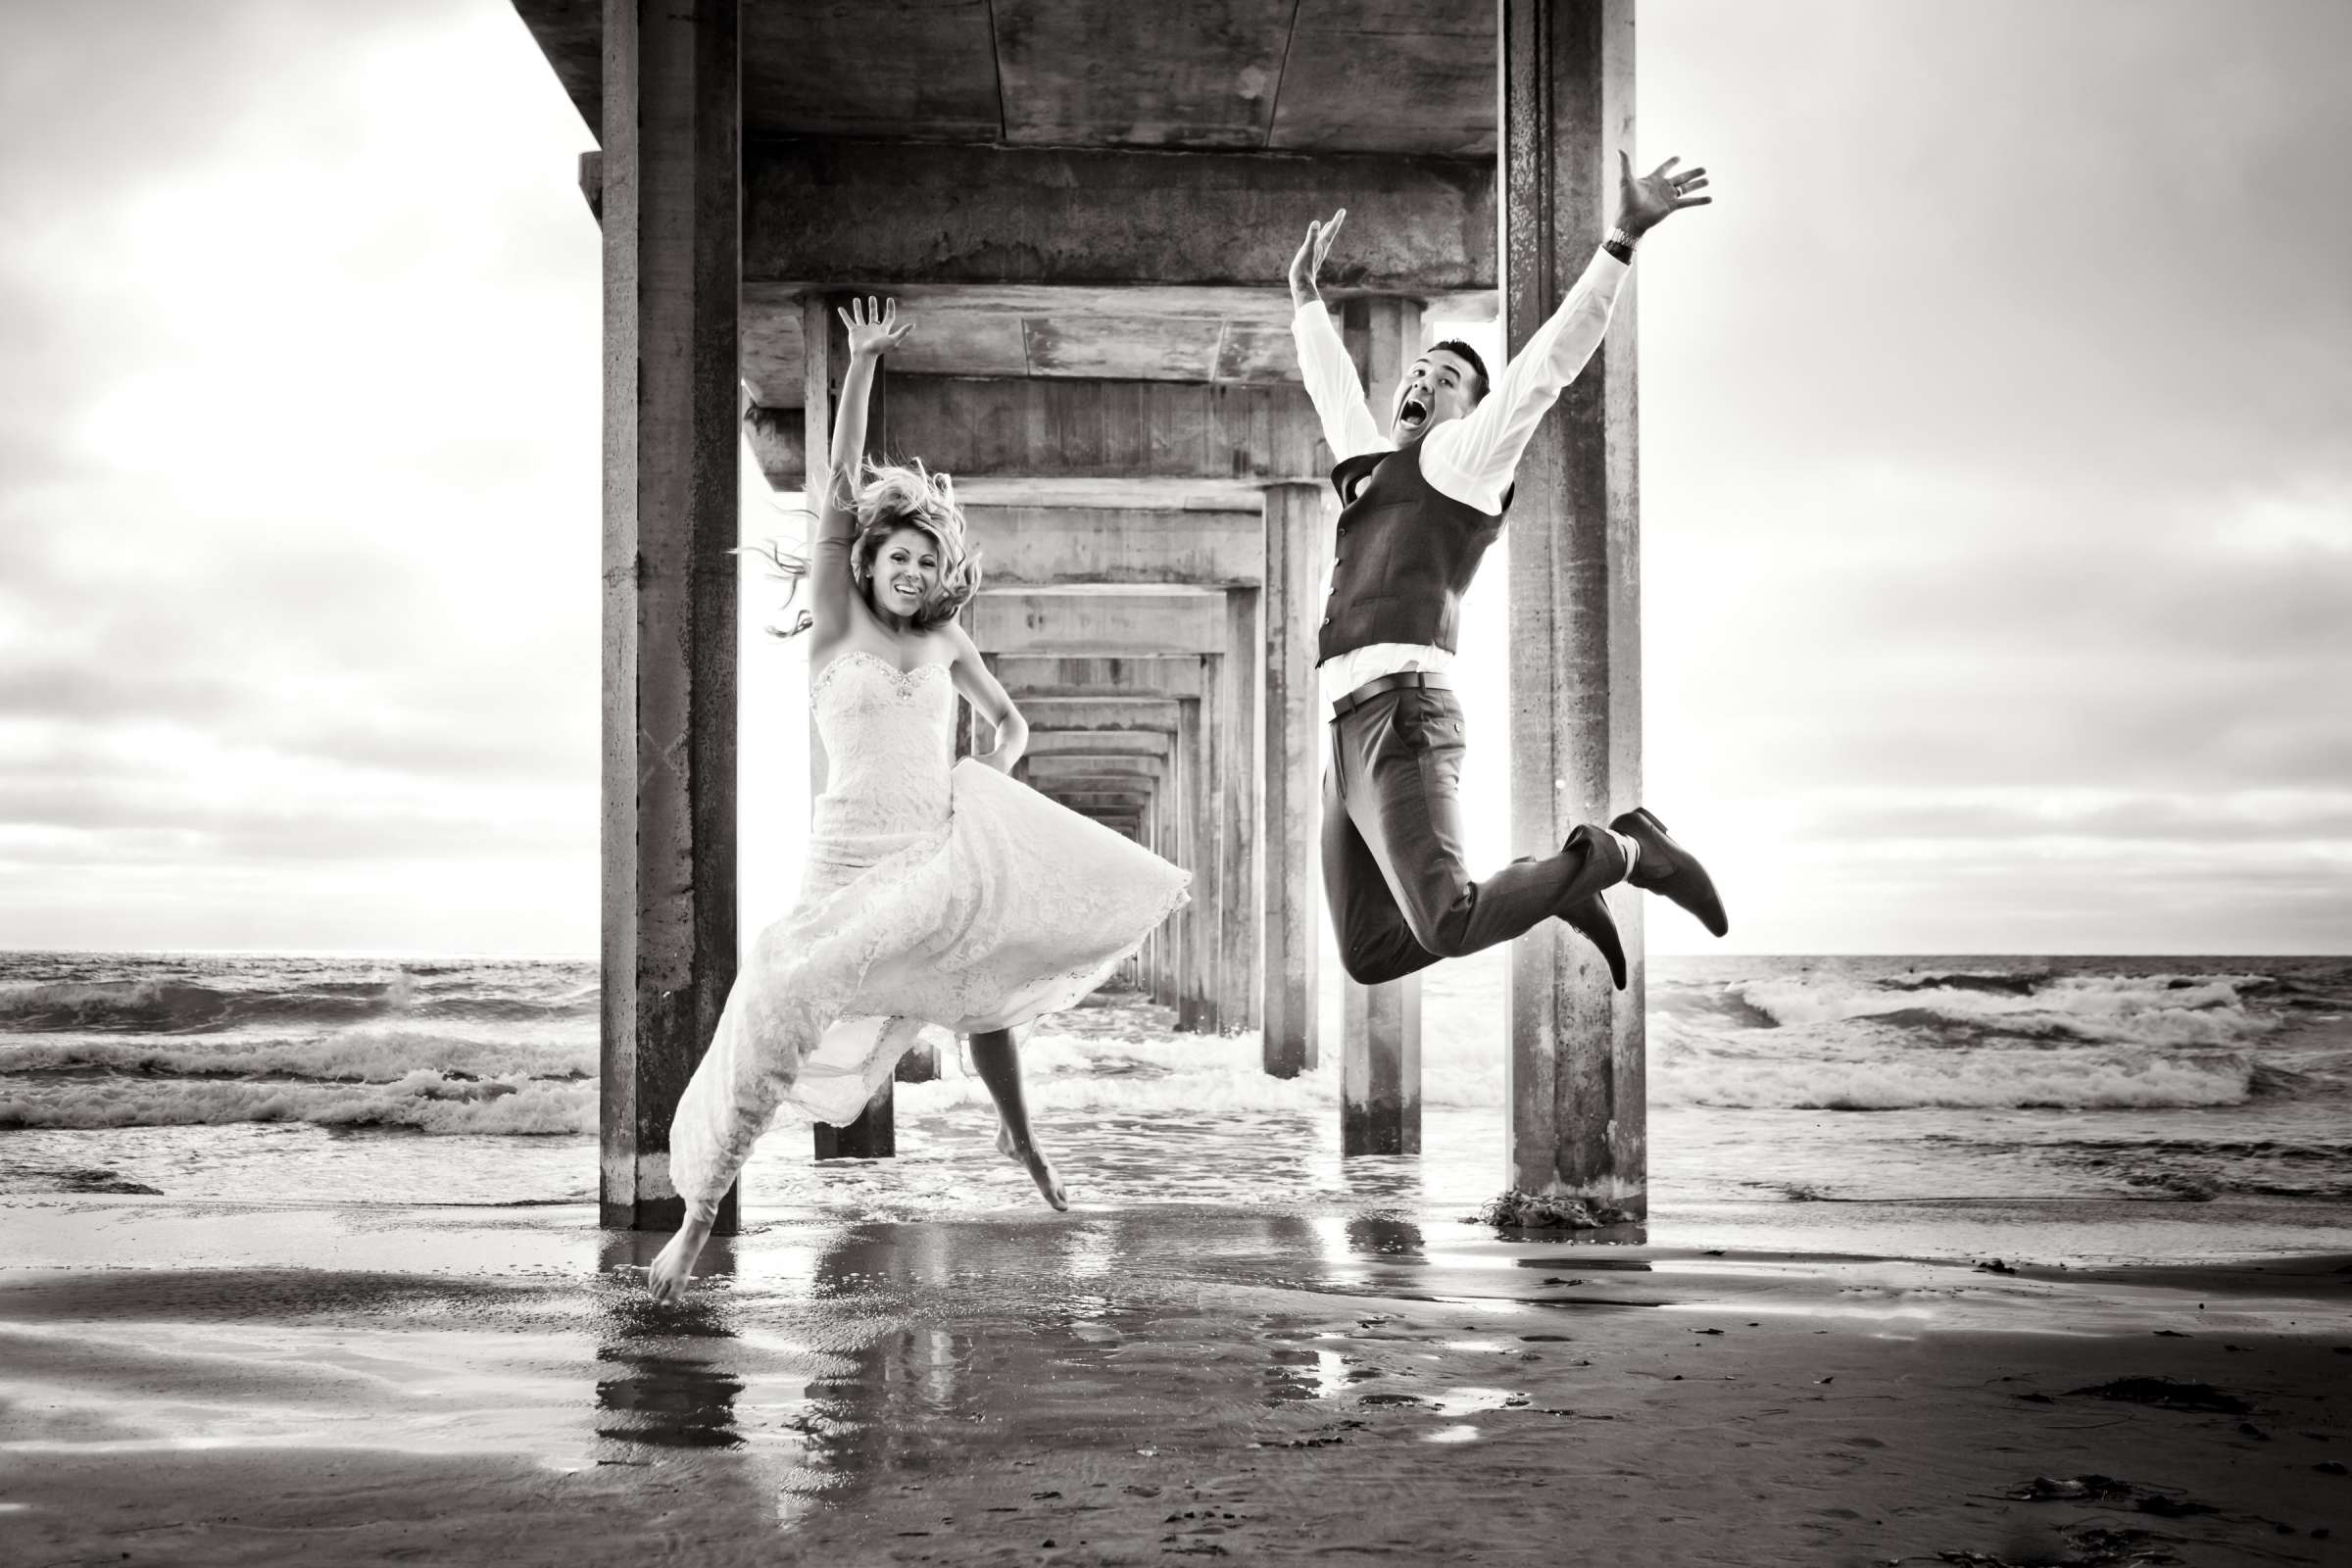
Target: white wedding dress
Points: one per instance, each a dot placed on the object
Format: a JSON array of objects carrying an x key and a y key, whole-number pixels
[{"x": 937, "y": 894}]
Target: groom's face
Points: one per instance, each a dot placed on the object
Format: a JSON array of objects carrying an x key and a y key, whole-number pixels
[{"x": 1438, "y": 386}]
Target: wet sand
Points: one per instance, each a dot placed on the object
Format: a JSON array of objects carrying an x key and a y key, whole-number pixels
[{"x": 201, "y": 1384}]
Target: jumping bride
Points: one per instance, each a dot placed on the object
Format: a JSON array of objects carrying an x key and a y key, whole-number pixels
[{"x": 937, "y": 892}]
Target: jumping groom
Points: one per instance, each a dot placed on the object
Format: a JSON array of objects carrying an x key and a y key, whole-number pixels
[{"x": 1419, "y": 508}]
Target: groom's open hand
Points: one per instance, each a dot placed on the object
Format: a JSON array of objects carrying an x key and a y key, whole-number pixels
[
  {"x": 1646, "y": 200},
  {"x": 1310, "y": 260}
]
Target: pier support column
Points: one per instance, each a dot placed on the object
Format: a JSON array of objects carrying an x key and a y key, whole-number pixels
[
  {"x": 1241, "y": 958},
  {"x": 1209, "y": 886},
  {"x": 1196, "y": 1009},
  {"x": 1383, "y": 335},
  {"x": 669, "y": 203},
  {"x": 1293, "y": 799},
  {"x": 1380, "y": 1068},
  {"x": 1163, "y": 988},
  {"x": 1576, "y": 1070}
]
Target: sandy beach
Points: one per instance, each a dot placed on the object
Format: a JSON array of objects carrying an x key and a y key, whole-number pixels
[{"x": 222, "y": 1383}]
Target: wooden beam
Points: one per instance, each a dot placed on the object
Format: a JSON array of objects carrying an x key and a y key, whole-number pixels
[
  {"x": 1576, "y": 1087},
  {"x": 669, "y": 193}
]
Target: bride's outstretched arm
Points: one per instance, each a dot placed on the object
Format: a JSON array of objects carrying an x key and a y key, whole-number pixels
[
  {"x": 874, "y": 329},
  {"x": 988, "y": 697}
]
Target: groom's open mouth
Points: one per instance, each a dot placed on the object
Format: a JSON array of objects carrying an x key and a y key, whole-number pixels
[{"x": 1412, "y": 414}]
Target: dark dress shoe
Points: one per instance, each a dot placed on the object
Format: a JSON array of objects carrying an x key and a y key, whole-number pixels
[
  {"x": 1665, "y": 867},
  {"x": 1596, "y": 924}
]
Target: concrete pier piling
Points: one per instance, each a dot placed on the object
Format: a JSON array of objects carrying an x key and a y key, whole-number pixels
[
  {"x": 1295, "y": 539},
  {"x": 669, "y": 208},
  {"x": 1578, "y": 1116}
]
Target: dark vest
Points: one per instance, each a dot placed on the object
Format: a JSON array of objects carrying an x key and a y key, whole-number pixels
[{"x": 1405, "y": 556}]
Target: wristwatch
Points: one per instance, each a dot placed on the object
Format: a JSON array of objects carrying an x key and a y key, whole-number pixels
[{"x": 1620, "y": 244}]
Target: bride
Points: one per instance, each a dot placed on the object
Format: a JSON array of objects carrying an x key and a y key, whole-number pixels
[{"x": 935, "y": 893}]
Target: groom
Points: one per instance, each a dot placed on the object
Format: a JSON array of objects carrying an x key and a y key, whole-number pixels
[{"x": 1419, "y": 508}]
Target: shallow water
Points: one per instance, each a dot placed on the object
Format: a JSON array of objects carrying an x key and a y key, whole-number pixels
[{"x": 2119, "y": 1109}]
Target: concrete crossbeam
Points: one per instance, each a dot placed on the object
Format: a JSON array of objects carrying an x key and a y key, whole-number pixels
[
  {"x": 1086, "y": 742},
  {"x": 1033, "y": 429},
  {"x": 1101, "y": 713},
  {"x": 1065, "y": 622},
  {"x": 1049, "y": 546},
  {"x": 873, "y": 214},
  {"x": 1165, "y": 440},
  {"x": 1140, "y": 332},
  {"x": 1178, "y": 676},
  {"x": 1271, "y": 74},
  {"x": 1094, "y": 800}
]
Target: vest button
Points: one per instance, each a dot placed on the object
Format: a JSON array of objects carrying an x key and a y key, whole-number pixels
[{"x": 1326, "y": 621}]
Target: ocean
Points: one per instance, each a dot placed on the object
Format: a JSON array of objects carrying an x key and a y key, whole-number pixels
[{"x": 2115, "y": 1109}]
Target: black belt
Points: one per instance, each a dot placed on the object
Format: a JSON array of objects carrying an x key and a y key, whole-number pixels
[{"x": 1386, "y": 684}]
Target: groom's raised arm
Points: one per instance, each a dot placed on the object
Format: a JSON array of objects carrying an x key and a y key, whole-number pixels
[
  {"x": 1348, "y": 428},
  {"x": 1484, "y": 447}
]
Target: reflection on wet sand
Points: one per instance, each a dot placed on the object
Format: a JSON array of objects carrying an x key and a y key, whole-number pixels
[
  {"x": 663, "y": 1373},
  {"x": 1340, "y": 1381}
]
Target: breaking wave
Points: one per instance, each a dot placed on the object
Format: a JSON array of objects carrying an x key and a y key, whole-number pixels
[
  {"x": 1987, "y": 1079},
  {"x": 369, "y": 1053},
  {"x": 182, "y": 1006},
  {"x": 423, "y": 1101},
  {"x": 1971, "y": 1010}
]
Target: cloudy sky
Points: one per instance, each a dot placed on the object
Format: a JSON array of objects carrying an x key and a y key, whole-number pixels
[{"x": 1997, "y": 489}]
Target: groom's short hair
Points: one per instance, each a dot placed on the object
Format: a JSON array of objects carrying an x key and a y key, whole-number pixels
[{"x": 1469, "y": 355}]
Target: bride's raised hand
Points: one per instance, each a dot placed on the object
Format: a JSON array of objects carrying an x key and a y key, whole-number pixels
[{"x": 875, "y": 326}]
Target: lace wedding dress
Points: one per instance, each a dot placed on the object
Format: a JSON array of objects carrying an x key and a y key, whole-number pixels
[{"x": 935, "y": 896}]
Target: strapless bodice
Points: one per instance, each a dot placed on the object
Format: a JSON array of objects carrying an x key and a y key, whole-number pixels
[{"x": 889, "y": 747}]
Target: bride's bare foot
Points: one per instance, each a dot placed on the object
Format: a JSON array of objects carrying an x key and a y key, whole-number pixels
[
  {"x": 1041, "y": 1169},
  {"x": 666, "y": 1277}
]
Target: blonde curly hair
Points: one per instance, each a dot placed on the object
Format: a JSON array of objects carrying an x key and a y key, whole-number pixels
[
  {"x": 894, "y": 496},
  {"x": 899, "y": 496}
]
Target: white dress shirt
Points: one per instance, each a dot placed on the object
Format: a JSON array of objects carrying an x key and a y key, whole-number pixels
[{"x": 1470, "y": 458}]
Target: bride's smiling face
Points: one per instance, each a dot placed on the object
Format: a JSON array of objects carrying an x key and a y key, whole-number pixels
[{"x": 906, "y": 572}]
